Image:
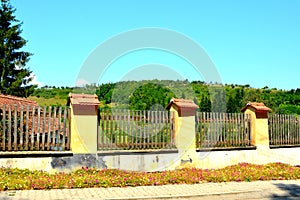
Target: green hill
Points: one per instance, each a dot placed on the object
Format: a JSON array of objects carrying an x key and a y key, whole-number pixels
[{"x": 140, "y": 95}]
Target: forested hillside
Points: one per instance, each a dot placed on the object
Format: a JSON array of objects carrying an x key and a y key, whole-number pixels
[{"x": 141, "y": 95}]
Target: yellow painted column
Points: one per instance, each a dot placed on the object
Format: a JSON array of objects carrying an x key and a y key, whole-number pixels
[
  {"x": 184, "y": 131},
  {"x": 84, "y": 123},
  {"x": 83, "y": 133},
  {"x": 259, "y": 124}
]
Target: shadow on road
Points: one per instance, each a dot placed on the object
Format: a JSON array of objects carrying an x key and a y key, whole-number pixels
[{"x": 289, "y": 191}]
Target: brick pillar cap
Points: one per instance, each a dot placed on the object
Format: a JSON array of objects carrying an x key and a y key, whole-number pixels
[{"x": 258, "y": 107}]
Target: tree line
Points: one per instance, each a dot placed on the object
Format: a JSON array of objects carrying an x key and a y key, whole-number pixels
[{"x": 156, "y": 94}]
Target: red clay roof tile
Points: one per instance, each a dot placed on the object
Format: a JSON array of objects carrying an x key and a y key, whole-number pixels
[
  {"x": 257, "y": 106},
  {"x": 18, "y": 101},
  {"x": 182, "y": 103},
  {"x": 83, "y": 99}
]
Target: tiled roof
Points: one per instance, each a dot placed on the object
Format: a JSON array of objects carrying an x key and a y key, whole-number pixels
[
  {"x": 9, "y": 100},
  {"x": 256, "y": 106},
  {"x": 54, "y": 125},
  {"x": 83, "y": 99},
  {"x": 12, "y": 100},
  {"x": 182, "y": 103}
]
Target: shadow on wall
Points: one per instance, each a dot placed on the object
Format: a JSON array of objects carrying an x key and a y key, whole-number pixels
[{"x": 290, "y": 191}]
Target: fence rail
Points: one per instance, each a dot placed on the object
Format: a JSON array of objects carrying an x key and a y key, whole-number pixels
[
  {"x": 34, "y": 128},
  {"x": 284, "y": 129},
  {"x": 222, "y": 130},
  {"x": 130, "y": 130}
]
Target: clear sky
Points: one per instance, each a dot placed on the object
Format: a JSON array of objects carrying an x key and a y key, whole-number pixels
[{"x": 250, "y": 42}]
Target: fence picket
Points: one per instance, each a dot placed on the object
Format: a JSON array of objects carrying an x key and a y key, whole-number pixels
[
  {"x": 119, "y": 127},
  {"x": 21, "y": 128},
  {"x": 53, "y": 131},
  {"x": 15, "y": 127},
  {"x": 38, "y": 129},
  {"x": 271, "y": 126},
  {"x": 164, "y": 131},
  {"x": 32, "y": 130},
  {"x": 172, "y": 129},
  {"x": 124, "y": 128},
  {"x": 64, "y": 130},
  {"x": 27, "y": 129},
  {"x": 135, "y": 129},
  {"x": 43, "y": 128},
  {"x": 156, "y": 133},
  {"x": 59, "y": 145},
  {"x": 221, "y": 125},
  {"x": 148, "y": 146},
  {"x": 144, "y": 130},
  {"x": 226, "y": 128},
  {"x": 3, "y": 127},
  {"x": 49, "y": 129},
  {"x": 242, "y": 127},
  {"x": 9, "y": 128}
]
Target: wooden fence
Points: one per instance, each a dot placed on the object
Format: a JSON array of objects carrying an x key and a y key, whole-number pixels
[
  {"x": 130, "y": 130},
  {"x": 34, "y": 128},
  {"x": 222, "y": 130},
  {"x": 284, "y": 129}
]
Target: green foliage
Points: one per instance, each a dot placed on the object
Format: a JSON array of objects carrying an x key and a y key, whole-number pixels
[
  {"x": 288, "y": 109},
  {"x": 146, "y": 94},
  {"x": 23, "y": 179},
  {"x": 149, "y": 96},
  {"x": 15, "y": 77},
  {"x": 219, "y": 99},
  {"x": 105, "y": 91},
  {"x": 205, "y": 103},
  {"x": 47, "y": 92}
]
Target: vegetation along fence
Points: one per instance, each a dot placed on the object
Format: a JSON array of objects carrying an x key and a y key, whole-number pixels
[
  {"x": 34, "y": 128},
  {"x": 222, "y": 130},
  {"x": 130, "y": 130},
  {"x": 284, "y": 129}
]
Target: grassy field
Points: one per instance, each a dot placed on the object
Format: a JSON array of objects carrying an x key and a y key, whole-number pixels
[{"x": 49, "y": 102}]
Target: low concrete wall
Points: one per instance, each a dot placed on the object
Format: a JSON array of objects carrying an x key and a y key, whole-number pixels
[
  {"x": 147, "y": 161},
  {"x": 220, "y": 159}
]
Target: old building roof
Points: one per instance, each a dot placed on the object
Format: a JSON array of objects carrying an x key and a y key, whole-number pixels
[
  {"x": 55, "y": 125},
  {"x": 257, "y": 106},
  {"x": 83, "y": 99},
  {"x": 17, "y": 101},
  {"x": 46, "y": 123}
]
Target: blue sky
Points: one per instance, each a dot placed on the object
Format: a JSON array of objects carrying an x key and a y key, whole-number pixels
[{"x": 250, "y": 42}]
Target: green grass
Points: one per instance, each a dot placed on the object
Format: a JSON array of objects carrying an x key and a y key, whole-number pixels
[
  {"x": 17, "y": 179},
  {"x": 48, "y": 101}
]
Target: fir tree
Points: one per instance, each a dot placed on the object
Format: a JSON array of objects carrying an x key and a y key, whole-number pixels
[{"x": 15, "y": 77}]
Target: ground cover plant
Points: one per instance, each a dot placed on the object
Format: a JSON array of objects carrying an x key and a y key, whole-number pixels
[{"x": 17, "y": 179}]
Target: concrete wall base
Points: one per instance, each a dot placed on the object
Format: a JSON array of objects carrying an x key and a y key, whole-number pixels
[{"x": 150, "y": 161}]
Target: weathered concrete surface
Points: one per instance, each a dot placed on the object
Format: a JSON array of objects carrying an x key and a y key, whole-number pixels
[{"x": 149, "y": 161}]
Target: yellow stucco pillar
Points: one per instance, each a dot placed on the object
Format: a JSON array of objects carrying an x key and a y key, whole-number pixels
[
  {"x": 184, "y": 130},
  {"x": 259, "y": 123},
  {"x": 84, "y": 123}
]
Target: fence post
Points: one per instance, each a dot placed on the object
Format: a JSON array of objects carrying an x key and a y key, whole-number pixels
[
  {"x": 184, "y": 129},
  {"x": 259, "y": 123},
  {"x": 84, "y": 123}
]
